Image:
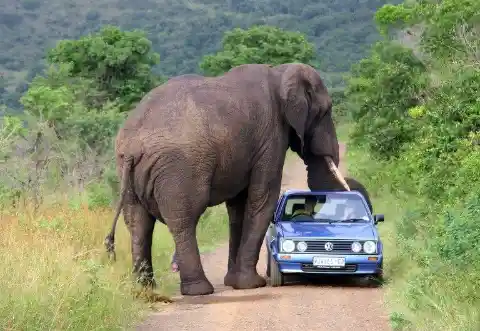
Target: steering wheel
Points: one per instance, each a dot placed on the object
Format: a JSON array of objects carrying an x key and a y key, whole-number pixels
[{"x": 304, "y": 214}]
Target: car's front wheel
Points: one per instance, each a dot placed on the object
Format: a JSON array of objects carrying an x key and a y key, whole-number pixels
[
  {"x": 377, "y": 278},
  {"x": 374, "y": 280},
  {"x": 276, "y": 277}
]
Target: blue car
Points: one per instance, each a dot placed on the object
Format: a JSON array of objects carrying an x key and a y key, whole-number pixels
[{"x": 323, "y": 233}]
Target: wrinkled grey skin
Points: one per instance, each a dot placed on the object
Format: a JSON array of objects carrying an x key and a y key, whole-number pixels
[{"x": 196, "y": 142}]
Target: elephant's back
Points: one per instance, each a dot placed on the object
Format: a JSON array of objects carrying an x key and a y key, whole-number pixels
[
  {"x": 168, "y": 109},
  {"x": 193, "y": 107}
]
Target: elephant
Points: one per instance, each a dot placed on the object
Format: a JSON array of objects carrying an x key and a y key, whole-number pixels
[
  {"x": 354, "y": 185},
  {"x": 196, "y": 142}
]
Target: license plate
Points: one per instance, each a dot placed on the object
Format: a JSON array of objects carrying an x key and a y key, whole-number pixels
[{"x": 329, "y": 262}]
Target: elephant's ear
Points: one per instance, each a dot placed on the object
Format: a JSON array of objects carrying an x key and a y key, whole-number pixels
[{"x": 293, "y": 94}]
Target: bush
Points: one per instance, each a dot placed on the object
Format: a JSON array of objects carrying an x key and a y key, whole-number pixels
[
  {"x": 430, "y": 249},
  {"x": 426, "y": 150}
]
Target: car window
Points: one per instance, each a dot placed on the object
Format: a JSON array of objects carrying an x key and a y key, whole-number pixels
[
  {"x": 294, "y": 201},
  {"x": 332, "y": 207}
]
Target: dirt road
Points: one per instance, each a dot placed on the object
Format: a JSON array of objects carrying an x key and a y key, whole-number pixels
[{"x": 325, "y": 306}]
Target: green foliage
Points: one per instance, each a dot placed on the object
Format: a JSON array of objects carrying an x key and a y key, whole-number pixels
[
  {"x": 391, "y": 16},
  {"x": 433, "y": 165},
  {"x": 259, "y": 44},
  {"x": 451, "y": 33},
  {"x": 382, "y": 89},
  {"x": 181, "y": 31},
  {"x": 120, "y": 63},
  {"x": 68, "y": 113}
]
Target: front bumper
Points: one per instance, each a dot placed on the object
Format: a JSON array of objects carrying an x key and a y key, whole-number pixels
[{"x": 354, "y": 264}]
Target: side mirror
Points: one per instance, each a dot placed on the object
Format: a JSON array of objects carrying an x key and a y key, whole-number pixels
[{"x": 378, "y": 218}]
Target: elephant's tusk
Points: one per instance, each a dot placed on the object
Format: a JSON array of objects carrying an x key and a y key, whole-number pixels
[{"x": 333, "y": 168}]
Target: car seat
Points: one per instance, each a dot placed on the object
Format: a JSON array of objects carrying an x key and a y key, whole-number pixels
[{"x": 297, "y": 206}]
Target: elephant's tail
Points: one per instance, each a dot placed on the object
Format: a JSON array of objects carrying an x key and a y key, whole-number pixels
[{"x": 110, "y": 238}]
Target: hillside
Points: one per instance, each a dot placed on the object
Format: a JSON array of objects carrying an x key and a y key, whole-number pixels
[{"x": 182, "y": 31}]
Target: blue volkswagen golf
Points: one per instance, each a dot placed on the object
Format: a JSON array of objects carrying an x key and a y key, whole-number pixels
[{"x": 323, "y": 233}]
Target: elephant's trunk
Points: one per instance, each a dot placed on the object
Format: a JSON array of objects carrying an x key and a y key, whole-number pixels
[
  {"x": 323, "y": 174},
  {"x": 336, "y": 173}
]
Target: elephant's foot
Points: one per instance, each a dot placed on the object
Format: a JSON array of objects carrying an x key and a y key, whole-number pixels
[
  {"x": 198, "y": 287},
  {"x": 230, "y": 278},
  {"x": 243, "y": 281}
]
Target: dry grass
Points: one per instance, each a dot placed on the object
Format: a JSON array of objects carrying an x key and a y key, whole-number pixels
[{"x": 56, "y": 276}]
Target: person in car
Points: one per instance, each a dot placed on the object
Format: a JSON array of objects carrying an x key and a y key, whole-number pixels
[{"x": 309, "y": 207}]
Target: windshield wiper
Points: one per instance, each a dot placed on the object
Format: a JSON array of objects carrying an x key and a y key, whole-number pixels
[{"x": 353, "y": 220}]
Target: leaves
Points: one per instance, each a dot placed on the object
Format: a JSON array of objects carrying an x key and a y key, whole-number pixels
[
  {"x": 119, "y": 62},
  {"x": 383, "y": 87},
  {"x": 259, "y": 44},
  {"x": 416, "y": 108}
]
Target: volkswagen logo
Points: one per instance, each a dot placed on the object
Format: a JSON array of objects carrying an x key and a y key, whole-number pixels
[{"x": 328, "y": 246}]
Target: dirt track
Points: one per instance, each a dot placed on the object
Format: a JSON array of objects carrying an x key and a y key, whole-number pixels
[{"x": 326, "y": 306}]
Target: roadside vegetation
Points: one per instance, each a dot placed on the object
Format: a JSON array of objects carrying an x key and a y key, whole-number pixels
[
  {"x": 415, "y": 140},
  {"x": 58, "y": 183},
  {"x": 410, "y": 110},
  {"x": 181, "y": 31}
]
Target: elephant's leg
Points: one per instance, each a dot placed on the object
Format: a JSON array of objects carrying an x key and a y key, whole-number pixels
[
  {"x": 141, "y": 225},
  {"x": 192, "y": 275},
  {"x": 181, "y": 210},
  {"x": 261, "y": 201},
  {"x": 236, "y": 213}
]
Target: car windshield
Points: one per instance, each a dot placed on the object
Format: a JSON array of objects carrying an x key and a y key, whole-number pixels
[{"x": 325, "y": 208}]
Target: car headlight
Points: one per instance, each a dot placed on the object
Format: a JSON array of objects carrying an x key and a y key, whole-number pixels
[
  {"x": 288, "y": 246},
  {"x": 356, "y": 247},
  {"x": 302, "y": 246},
  {"x": 369, "y": 247}
]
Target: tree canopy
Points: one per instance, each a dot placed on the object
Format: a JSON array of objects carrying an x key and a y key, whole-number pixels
[
  {"x": 181, "y": 31},
  {"x": 118, "y": 62},
  {"x": 259, "y": 44}
]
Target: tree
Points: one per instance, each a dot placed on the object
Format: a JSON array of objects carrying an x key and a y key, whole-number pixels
[
  {"x": 259, "y": 44},
  {"x": 73, "y": 110},
  {"x": 446, "y": 30},
  {"x": 118, "y": 62},
  {"x": 382, "y": 88}
]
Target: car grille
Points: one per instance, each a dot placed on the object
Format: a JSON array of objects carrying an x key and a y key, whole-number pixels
[
  {"x": 308, "y": 267},
  {"x": 318, "y": 246}
]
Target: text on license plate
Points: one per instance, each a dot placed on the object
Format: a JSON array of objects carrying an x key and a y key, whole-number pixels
[{"x": 330, "y": 262}]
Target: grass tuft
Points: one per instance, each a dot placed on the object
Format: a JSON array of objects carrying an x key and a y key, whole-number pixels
[{"x": 56, "y": 275}]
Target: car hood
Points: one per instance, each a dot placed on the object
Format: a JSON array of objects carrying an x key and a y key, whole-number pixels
[{"x": 358, "y": 231}]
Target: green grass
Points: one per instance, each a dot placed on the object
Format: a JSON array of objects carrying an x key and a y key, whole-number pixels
[{"x": 55, "y": 274}]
